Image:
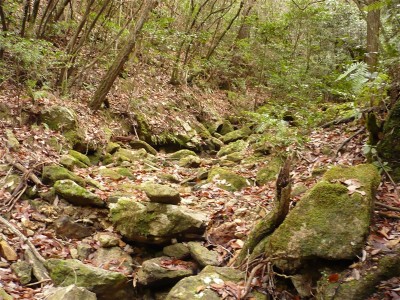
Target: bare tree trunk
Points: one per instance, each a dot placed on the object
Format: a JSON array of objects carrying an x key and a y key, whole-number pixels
[
  {"x": 108, "y": 80},
  {"x": 3, "y": 25},
  {"x": 25, "y": 17},
  {"x": 3, "y": 17},
  {"x": 373, "y": 26},
  {"x": 60, "y": 11}
]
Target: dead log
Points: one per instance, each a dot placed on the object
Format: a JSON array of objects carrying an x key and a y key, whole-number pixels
[{"x": 275, "y": 218}]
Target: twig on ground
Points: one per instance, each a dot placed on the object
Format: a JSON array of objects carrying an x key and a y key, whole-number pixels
[
  {"x": 18, "y": 233},
  {"x": 24, "y": 170},
  {"x": 348, "y": 140},
  {"x": 387, "y": 206},
  {"x": 387, "y": 215},
  {"x": 250, "y": 279}
]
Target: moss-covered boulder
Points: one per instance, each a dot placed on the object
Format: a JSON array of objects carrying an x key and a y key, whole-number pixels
[
  {"x": 200, "y": 286},
  {"x": 12, "y": 142},
  {"x": 161, "y": 193},
  {"x": 77, "y": 195},
  {"x": 238, "y": 146},
  {"x": 155, "y": 223},
  {"x": 181, "y": 154},
  {"x": 129, "y": 155},
  {"x": 163, "y": 271},
  {"x": 71, "y": 292},
  {"x": 240, "y": 134},
  {"x": 225, "y": 127},
  {"x": 110, "y": 173},
  {"x": 112, "y": 147},
  {"x": 138, "y": 144},
  {"x": 23, "y": 270},
  {"x": 227, "y": 179},
  {"x": 389, "y": 147},
  {"x": 71, "y": 162},
  {"x": 105, "y": 284},
  {"x": 53, "y": 173},
  {"x": 331, "y": 222},
  {"x": 269, "y": 172},
  {"x": 80, "y": 156},
  {"x": 59, "y": 118},
  {"x": 190, "y": 161}
]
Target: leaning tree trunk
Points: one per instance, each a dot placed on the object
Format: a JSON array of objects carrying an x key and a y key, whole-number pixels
[
  {"x": 271, "y": 221},
  {"x": 108, "y": 80}
]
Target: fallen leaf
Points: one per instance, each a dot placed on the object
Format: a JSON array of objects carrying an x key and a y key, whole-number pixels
[{"x": 333, "y": 277}]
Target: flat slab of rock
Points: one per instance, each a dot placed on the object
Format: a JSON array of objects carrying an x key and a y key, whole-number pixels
[
  {"x": 199, "y": 286},
  {"x": 202, "y": 255},
  {"x": 161, "y": 193},
  {"x": 77, "y": 195},
  {"x": 331, "y": 222},
  {"x": 113, "y": 257},
  {"x": 71, "y": 292},
  {"x": 162, "y": 271},
  {"x": 103, "y": 283},
  {"x": 155, "y": 223},
  {"x": 65, "y": 227},
  {"x": 178, "y": 250}
]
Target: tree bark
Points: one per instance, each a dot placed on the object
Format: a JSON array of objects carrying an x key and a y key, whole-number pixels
[
  {"x": 108, "y": 80},
  {"x": 271, "y": 221},
  {"x": 373, "y": 27}
]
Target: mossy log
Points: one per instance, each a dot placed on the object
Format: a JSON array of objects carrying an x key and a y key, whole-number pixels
[
  {"x": 271, "y": 221},
  {"x": 387, "y": 267}
]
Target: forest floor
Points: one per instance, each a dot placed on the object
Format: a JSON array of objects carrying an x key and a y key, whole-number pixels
[{"x": 238, "y": 210}]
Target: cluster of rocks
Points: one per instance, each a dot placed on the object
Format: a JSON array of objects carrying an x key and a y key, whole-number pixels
[{"x": 327, "y": 224}]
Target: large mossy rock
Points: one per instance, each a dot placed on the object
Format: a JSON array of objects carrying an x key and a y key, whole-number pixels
[
  {"x": 155, "y": 223},
  {"x": 138, "y": 144},
  {"x": 227, "y": 179},
  {"x": 269, "y": 172},
  {"x": 181, "y": 154},
  {"x": 80, "y": 156},
  {"x": 105, "y": 284},
  {"x": 129, "y": 155},
  {"x": 161, "y": 193},
  {"x": 59, "y": 118},
  {"x": 199, "y": 286},
  {"x": 240, "y": 134},
  {"x": 162, "y": 271},
  {"x": 75, "y": 194},
  {"x": 389, "y": 147},
  {"x": 51, "y": 174},
  {"x": 331, "y": 222},
  {"x": 238, "y": 146}
]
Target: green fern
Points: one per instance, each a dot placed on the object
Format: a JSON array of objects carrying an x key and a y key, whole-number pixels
[{"x": 358, "y": 74}]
